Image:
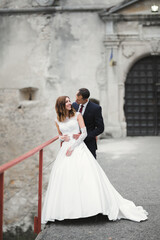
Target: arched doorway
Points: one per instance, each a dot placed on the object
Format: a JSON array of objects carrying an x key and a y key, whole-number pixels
[{"x": 142, "y": 98}]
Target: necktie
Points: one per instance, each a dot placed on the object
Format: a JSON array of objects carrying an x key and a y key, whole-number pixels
[{"x": 81, "y": 108}]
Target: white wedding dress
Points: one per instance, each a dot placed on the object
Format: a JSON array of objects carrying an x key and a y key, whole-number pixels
[{"x": 78, "y": 187}]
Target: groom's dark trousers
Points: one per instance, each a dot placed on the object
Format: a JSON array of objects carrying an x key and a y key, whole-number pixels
[{"x": 94, "y": 123}]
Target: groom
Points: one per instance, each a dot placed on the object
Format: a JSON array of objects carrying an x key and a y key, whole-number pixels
[{"x": 92, "y": 115}]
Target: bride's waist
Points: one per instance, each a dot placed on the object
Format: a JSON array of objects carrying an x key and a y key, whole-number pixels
[{"x": 72, "y": 136}]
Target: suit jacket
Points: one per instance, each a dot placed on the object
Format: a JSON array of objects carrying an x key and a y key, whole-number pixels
[{"x": 94, "y": 123}]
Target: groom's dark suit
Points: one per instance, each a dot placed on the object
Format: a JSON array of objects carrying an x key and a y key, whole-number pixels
[{"x": 94, "y": 124}]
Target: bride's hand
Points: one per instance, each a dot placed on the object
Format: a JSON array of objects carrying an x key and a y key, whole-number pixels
[
  {"x": 65, "y": 138},
  {"x": 69, "y": 152}
]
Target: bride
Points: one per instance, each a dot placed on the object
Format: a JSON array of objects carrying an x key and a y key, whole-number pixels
[{"x": 78, "y": 187}]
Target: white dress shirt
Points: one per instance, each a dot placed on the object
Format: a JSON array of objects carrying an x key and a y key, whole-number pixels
[{"x": 84, "y": 107}]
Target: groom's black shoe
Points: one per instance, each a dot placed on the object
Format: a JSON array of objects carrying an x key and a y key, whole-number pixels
[{"x": 100, "y": 218}]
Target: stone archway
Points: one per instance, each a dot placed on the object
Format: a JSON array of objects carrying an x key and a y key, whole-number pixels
[{"x": 142, "y": 98}]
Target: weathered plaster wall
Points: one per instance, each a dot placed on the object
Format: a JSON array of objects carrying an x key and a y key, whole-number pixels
[
  {"x": 55, "y": 54},
  {"x": 24, "y": 49},
  {"x": 16, "y": 4},
  {"x": 75, "y": 52}
]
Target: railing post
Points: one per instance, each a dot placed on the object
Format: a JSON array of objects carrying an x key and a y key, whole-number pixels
[
  {"x": 1, "y": 204},
  {"x": 40, "y": 189},
  {"x": 6, "y": 166},
  {"x": 37, "y": 220}
]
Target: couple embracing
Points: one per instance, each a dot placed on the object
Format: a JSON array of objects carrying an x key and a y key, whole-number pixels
[
  {"x": 92, "y": 116},
  {"x": 78, "y": 186}
]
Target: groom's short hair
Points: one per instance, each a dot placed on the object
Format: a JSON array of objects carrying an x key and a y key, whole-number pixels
[{"x": 84, "y": 92}]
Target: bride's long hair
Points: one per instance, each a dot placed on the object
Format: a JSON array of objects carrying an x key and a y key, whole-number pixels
[{"x": 61, "y": 110}]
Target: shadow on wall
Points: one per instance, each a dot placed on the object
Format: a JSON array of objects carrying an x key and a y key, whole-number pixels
[
  {"x": 19, "y": 233},
  {"x": 94, "y": 100}
]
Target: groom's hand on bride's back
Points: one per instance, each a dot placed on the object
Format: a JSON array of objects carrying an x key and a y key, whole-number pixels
[{"x": 76, "y": 136}]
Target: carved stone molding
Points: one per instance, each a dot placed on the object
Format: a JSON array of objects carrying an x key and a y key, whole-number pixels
[
  {"x": 155, "y": 47},
  {"x": 44, "y": 3},
  {"x": 154, "y": 19},
  {"x": 127, "y": 51},
  {"x": 101, "y": 72},
  {"x": 111, "y": 40}
]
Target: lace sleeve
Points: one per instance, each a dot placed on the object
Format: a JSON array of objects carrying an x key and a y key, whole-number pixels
[{"x": 80, "y": 139}]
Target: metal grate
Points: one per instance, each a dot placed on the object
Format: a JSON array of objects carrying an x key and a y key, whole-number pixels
[{"x": 142, "y": 98}]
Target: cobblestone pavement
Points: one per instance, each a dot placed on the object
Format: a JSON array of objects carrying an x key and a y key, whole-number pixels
[{"x": 133, "y": 167}]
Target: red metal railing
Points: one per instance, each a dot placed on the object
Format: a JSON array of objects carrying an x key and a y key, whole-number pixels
[{"x": 6, "y": 166}]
